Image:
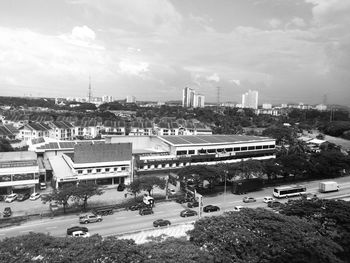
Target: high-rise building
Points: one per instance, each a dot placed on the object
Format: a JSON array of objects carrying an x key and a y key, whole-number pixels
[
  {"x": 188, "y": 97},
  {"x": 198, "y": 101},
  {"x": 130, "y": 99},
  {"x": 106, "y": 99},
  {"x": 250, "y": 99}
]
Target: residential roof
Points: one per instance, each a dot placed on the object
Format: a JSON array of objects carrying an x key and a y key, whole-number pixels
[
  {"x": 62, "y": 124},
  {"x": 7, "y": 129},
  {"x": 210, "y": 139},
  {"x": 95, "y": 153}
]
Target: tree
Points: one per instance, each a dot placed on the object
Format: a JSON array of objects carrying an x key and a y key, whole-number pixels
[
  {"x": 332, "y": 218},
  {"x": 134, "y": 187},
  {"x": 85, "y": 191},
  {"x": 60, "y": 196},
  {"x": 262, "y": 236},
  {"x": 282, "y": 134},
  {"x": 5, "y": 146},
  {"x": 149, "y": 182}
]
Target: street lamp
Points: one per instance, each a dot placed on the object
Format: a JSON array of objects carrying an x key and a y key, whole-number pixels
[{"x": 225, "y": 189}]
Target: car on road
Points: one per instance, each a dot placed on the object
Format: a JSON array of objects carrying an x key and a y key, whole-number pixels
[
  {"x": 10, "y": 198},
  {"x": 182, "y": 200},
  {"x": 76, "y": 228},
  {"x": 80, "y": 234},
  {"x": 22, "y": 197},
  {"x": 268, "y": 199},
  {"x": 188, "y": 212},
  {"x": 136, "y": 206},
  {"x": 161, "y": 222},
  {"x": 42, "y": 186},
  {"x": 146, "y": 211},
  {"x": 274, "y": 204},
  {"x": 309, "y": 196},
  {"x": 238, "y": 208},
  {"x": 249, "y": 199},
  {"x": 89, "y": 218},
  {"x": 34, "y": 196},
  {"x": 192, "y": 204},
  {"x": 211, "y": 208},
  {"x": 7, "y": 212}
]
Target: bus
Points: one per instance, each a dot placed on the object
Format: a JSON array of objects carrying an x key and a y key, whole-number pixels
[{"x": 287, "y": 191}]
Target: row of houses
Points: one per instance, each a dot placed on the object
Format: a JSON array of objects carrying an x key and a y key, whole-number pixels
[{"x": 88, "y": 128}]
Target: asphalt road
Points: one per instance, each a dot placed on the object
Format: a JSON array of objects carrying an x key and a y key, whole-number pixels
[{"x": 129, "y": 221}]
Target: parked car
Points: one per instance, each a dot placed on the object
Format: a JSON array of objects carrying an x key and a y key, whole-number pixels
[
  {"x": 76, "y": 228},
  {"x": 188, "y": 212},
  {"x": 54, "y": 206},
  {"x": 238, "y": 208},
  {"x": 268, "y": 199},
  {"x": 211, "y": 208},
  {"x": 89, "y": 218},
  {"x": 145, "y": 211},
  {"x": 274, "y": 204},
  {"x": 10, "y": 198},
  {"x": 121, "y": 187},
  {"x": 22, "y": 197},
  {"x": 34, "y": 196},
  {"x": 161, "y": 222},
  {"x": 42, "y": 186},
  {"x": 7, "y": 212},
  {"x": 80, "y": 234},
  {"x": 192, "y": 204},
  {"x": 249, "y": 199}
]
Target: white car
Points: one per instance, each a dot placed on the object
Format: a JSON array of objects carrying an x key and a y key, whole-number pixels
[
  {"x": 42, "y": 186},
  {"x": 10, "y": 198},
  {"x": 80, "y": 234},
  {"x": 238, "y": 208},
  {"x": 34, "y": 196},
  {"x": 171, "y": 191},
  {"x": 268, "y": 199}
]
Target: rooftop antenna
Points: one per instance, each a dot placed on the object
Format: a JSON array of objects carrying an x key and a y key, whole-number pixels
[
  {"x": 90, "y": 95},
  {"x": 218, "y": 98}
]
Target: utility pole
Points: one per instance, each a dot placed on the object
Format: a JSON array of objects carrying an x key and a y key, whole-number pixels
[
  {"x": 90, "y": 95},
  {"x": 218, "y": 98}
]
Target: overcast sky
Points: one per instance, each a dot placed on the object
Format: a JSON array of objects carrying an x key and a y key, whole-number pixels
[{"x": 287, "y": 50}]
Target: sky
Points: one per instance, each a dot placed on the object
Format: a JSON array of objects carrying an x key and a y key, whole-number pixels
[{"x": 287, "y": 50}]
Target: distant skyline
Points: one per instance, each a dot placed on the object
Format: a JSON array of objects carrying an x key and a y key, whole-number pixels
[{"x": 287, "y": 50}]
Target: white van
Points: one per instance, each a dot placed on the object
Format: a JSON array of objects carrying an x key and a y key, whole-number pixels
[{"x": 80, "y": 234}]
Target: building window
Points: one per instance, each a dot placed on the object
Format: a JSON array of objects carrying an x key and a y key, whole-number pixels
[
  {"x": 237, "y": 149},
  {"x": 115, "y": 169},
  {"x": 265, "y": 146},
  {"x": 89, "y": 171},
  {"x": 219, "y": 150},
  {"x": 80, "y": 171},
  {"x": 181, "y": 152},
  {"x": 228, "y": 149},
  {"x": 211, "y": 151},
  {"x": 107, "y": 169},
  {"x": 191, "y": 152},
  {"x": 259, "y": 147},
  {"x": 98, "y": 170},
  {"x": 243, "y": 148},
  {"x": 271, "y": 146},
  {"x": 251, "y": 148},
  {"x": 123, "y": 168},
  {"x": 201, "y": 151}
]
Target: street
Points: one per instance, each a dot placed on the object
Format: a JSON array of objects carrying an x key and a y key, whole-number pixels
[{"x": 130, "y": 221}]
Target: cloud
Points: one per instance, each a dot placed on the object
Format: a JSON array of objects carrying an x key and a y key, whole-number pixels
[
  {"x": 274, "y": 23},
  {"x": 133, "y": 68},
  {"x": 83, "y": 33},
  {"x": 236, "y": 81},
  {"x": 215, "y": 77}
]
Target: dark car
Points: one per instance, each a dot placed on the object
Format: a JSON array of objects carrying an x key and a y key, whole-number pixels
[
  {"x": 211, "y": 208},
  {"x": 22, "y": 197},
  {"x": 121, "y": 187},
  {"x": 76, "y": 228},
  {"x": 192, "y": 204},
  {"x": 188, "y": 212},
  {"x": 136, "y": 207},
  {"x": 249, "y": 199},
  {"x": 274, "y": 204},
  {"x": 7, "y": 212},
  {"x": 182, "y": 200},
  {"x": 161, "y": 222},
  {"x": 145, "y": 211}
]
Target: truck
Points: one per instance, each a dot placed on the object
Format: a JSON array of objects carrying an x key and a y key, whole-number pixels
[
  {"x": 329, "y": 186},
  {"x": 104, "y": 210},
  {"x": 247, "y": 185}
]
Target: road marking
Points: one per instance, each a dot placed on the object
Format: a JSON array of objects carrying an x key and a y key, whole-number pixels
[
  {"x": 24, "y": 231},
  {"x": 51, "y": 227}
]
